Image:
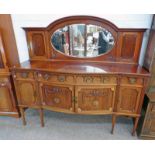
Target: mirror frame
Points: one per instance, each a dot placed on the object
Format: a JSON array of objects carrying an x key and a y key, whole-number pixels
[
  {"x": 110, "y": 54},
  {"x": 85, "y": 26}
]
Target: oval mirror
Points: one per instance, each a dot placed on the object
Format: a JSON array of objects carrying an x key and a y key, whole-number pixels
[{"x": 81, "y": 40}]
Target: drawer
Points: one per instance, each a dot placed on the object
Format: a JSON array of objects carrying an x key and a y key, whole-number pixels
[
  {"x": 110, "y": 80},
  {"x": 24, "y": 75},
  {"x": 131, "y": 81},
  {"x": 55, "y": 78}
]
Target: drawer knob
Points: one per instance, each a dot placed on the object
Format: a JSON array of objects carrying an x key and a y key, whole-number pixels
[{"x": 132, "y": 80}]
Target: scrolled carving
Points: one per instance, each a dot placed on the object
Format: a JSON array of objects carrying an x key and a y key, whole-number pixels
[
  {"x": 95, "y": 93},
  {"x": 104, "y": 80}
]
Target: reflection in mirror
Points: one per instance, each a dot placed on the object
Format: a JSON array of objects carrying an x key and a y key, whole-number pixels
[{"x": 82, "y": 40}]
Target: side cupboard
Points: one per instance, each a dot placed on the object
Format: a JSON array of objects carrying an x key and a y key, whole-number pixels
[{"x": 82, "y": 65}]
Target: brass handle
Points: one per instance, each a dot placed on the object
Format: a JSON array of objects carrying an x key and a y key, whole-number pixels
[
  {"x": 24, "y": 75},
  {"x": 132, "y": 80},
  {"x": 46, "y": 76},
  {"x": 61, "y": 78}
]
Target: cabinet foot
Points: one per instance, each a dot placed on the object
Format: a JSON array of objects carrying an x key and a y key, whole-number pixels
[
  {"x": 41, "y": 117},
  {"x": 23, "y": 116},
  {"x": 135, "y": 126},
  {"x": 113, "y": 123}
]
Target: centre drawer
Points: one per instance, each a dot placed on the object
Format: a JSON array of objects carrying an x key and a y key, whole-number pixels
[
  {"x": 96, "y": 80},
  {"x": 55, "y": 78}
]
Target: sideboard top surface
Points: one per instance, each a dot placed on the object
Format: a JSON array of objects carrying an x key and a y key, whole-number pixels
[{"x": 83, "y": 67}]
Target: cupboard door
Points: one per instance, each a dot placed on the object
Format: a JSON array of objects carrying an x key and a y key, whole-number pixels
[
  {"x": 129, "y": 98},
  {"x": 58, "y": 97},
  {"x": 96, "y": 99},
  {"x": 149, "y": 123},
  {"x": 26, "y": 93},
  {"x": 6, "y": 98}
]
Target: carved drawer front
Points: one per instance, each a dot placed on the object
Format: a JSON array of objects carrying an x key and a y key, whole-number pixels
[
  {"x": 149, "y": 123},
  {"x": 55, "y": 78},
  {"x": 26, "y": 93},
  {"x": 23, "y": 75},
  {"x": 129, "y": 99},
  {"x": 95, "y": 80},
  {"x": 131, "y": 81},
  {"x": 6, "y": 96},
  {"x": 57, "y": 97},
  {"x": 94, "y": 99}
]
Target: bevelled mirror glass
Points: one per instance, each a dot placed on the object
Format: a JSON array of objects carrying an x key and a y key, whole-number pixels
[{"x": 81, "y": 40}]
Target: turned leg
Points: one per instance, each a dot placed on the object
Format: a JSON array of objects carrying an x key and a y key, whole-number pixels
[
  {"x": 113, "y": 123},
  {"x": 135, "y": 126},
  {"x": 41, "y": 117},
  {"x": 23, "y": 115}
]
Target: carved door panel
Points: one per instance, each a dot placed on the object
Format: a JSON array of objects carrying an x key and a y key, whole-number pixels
[
  {"x": 149, "y": 123},
  {"x": 6, "y": 98},
  {"x": 129, "y": 98},
  {"x": 98, "y": 99},
  {"x": 58, "y": 97},
  {"x": 26, "y": 93}
]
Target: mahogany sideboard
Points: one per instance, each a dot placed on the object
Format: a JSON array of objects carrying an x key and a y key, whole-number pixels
[{"x": 70, "y": 79}]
